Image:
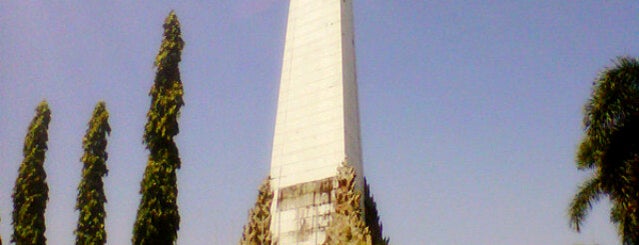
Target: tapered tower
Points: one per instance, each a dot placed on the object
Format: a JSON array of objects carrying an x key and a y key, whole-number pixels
[{"x": 317, "y": 122}]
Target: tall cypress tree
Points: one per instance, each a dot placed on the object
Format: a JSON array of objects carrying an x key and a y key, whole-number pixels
[
  {"x": 158, "y": 219},
  {"x": 347, "y": 225},
  {"x": 258, "y": 229},
  {"x": 31, "y": 192},
  {"x": 372, "y": 217},
  {"x": 91, "y": 197}
]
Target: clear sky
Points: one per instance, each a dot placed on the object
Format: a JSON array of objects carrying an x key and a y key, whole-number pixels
[{"x": 471, "y": 112}]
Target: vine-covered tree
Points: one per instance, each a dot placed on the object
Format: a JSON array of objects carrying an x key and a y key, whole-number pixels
[
  {"x": 31, "y": 192},
  {"x": 372, "y": 218},
  {"x": 347, "y": 225},
  {"x": 91, "y": 197},
  {"x": 610, "y": 150},
  {"x": 258, "y": 229},
  {"x": 158, "y": 219}
]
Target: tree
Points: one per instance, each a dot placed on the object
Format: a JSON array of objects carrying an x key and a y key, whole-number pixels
[
  {"x": 372, "y": 218},
  {"x": 31, "y": 192},
  {"x": 610, "y": 150},
  {"x": 91, "y": 197},
  {"x": 258, "y": 229},
  {"x": 158, "y": 219},
  {"x": 347, "y": 225}
]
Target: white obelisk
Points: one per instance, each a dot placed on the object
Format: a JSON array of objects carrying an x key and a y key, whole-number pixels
[{"x": 317, "y": 123}]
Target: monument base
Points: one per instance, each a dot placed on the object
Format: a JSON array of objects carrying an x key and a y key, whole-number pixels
[{"x": 303, "y": 212}]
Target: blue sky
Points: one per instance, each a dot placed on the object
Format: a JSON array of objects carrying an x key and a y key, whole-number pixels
[{"x": 471, "y": 112}]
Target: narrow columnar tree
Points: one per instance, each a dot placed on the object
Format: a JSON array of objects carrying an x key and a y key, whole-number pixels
[
  {"x": 347, "y": 225},
  {"x": 610, "y": 150},
  {"x": 372, "y": 218},
  {"x": 258, "y": 229},
  {"x": 31, "y": 192},
  {"x": 91, "y": 197},
  {"x": 158, "y": 220}
]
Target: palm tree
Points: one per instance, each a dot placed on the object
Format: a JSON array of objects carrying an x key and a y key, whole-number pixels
[{"x": 610, "y": 150}]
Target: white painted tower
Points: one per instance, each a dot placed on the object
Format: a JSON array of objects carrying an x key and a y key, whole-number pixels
[{"x": 317, "y": 123}]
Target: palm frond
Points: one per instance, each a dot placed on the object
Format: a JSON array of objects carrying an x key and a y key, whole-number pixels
[
  {"x": 589, "y": 193},
  {"x": 587, "y": 155}
]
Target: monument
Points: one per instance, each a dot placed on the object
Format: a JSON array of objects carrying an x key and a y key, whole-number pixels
[{"x": 317, "y": 122}]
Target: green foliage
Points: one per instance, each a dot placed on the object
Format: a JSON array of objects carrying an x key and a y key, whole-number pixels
[
  {"x": 610, "y": 150},
  {"x": 258, "y": 229},
  {"x": 31, "y": 192},
  {"x": 91, "y": 197},
  {"x": 158, "y": 219},
  {"x": 347, "y": 225},
  {"x": 372, "y": 218}
]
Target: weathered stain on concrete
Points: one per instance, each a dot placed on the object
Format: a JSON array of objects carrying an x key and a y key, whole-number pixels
[{"x": 311, "y": 204}]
